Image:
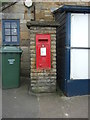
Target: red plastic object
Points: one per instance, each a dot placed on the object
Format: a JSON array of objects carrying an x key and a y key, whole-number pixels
[{"x": 43, "y": 54}]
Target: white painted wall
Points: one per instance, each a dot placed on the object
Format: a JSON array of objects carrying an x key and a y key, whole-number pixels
[{"x": 79, "y": 38}]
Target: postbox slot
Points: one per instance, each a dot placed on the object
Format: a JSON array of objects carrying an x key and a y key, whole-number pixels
[{"x": 43, "y": 40}]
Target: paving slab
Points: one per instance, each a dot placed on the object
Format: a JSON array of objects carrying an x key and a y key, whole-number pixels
[
  {"x": 18, "y": 103},
  {"x": 55, "y": 106}
]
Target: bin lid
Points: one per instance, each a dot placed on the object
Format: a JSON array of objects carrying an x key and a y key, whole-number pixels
[{"x": 10, "y": 49}]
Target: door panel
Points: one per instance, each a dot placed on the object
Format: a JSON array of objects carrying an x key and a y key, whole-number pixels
[
  {"x": 79, "y": 64},
  {"x": 79, "y": 30}
]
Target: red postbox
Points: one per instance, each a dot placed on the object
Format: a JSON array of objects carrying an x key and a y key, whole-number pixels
[{"x": 43, "y": 55}]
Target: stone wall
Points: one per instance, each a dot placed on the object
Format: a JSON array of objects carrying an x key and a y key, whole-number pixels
[
  {"x": 43, "y": 10},
  {"x": 40, "y": 11},
  {"x": 42, "y": 80}
]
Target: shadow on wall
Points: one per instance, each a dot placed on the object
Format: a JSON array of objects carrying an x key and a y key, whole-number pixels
[{"x": 25, "y": 60}]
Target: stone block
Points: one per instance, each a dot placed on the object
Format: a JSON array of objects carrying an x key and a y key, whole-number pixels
[
  {"x": 24, "y": 42},
  {"x": 23, "y": 27},
  {"x": 12, "y": 16},
  {"x": 25, "y": 72},
  {"x": 25, "y": 65},
  {"x": 24, "y": 35},
  {"x": 15, "y": 9},
  {"x": 0, "y": 42},
  {"x": 25, "y": 49}
]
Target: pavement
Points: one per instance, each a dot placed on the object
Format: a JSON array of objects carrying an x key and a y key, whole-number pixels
[{"x": 19, "y": 103}]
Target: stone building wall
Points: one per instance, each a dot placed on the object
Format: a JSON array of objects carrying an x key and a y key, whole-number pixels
[
  {"x": 40, "y": 11},
  {"x": 19, "y": 11},
  {"x": 42, "y": 80},
  {"x": 43, "y": 10}
]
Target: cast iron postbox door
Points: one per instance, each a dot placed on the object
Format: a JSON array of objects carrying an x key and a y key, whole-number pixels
[{"x": 43, "y": 56}]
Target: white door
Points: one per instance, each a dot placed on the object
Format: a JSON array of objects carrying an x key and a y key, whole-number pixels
[{"x": 79, "y": 60}]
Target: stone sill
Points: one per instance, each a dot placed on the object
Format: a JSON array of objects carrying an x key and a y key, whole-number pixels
[{"x": 42, "y": 24}]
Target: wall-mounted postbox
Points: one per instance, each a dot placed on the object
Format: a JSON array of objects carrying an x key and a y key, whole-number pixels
[{"x": 43, "y": 54}]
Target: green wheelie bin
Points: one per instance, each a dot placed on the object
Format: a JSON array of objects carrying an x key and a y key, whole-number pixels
[{"x": 11, "y": 57}]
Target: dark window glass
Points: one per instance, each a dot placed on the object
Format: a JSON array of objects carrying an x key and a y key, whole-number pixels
[
  {"x": 14, "y": 31},
  {"x": 14, "y": 38},
  {"x": 7, "y": 31},
  {"x": 7, "y": 39},
  {"x": 7, "y": 25},
  {"x": 13, "y": 25},
  {"x": 11, "y": 32}
]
